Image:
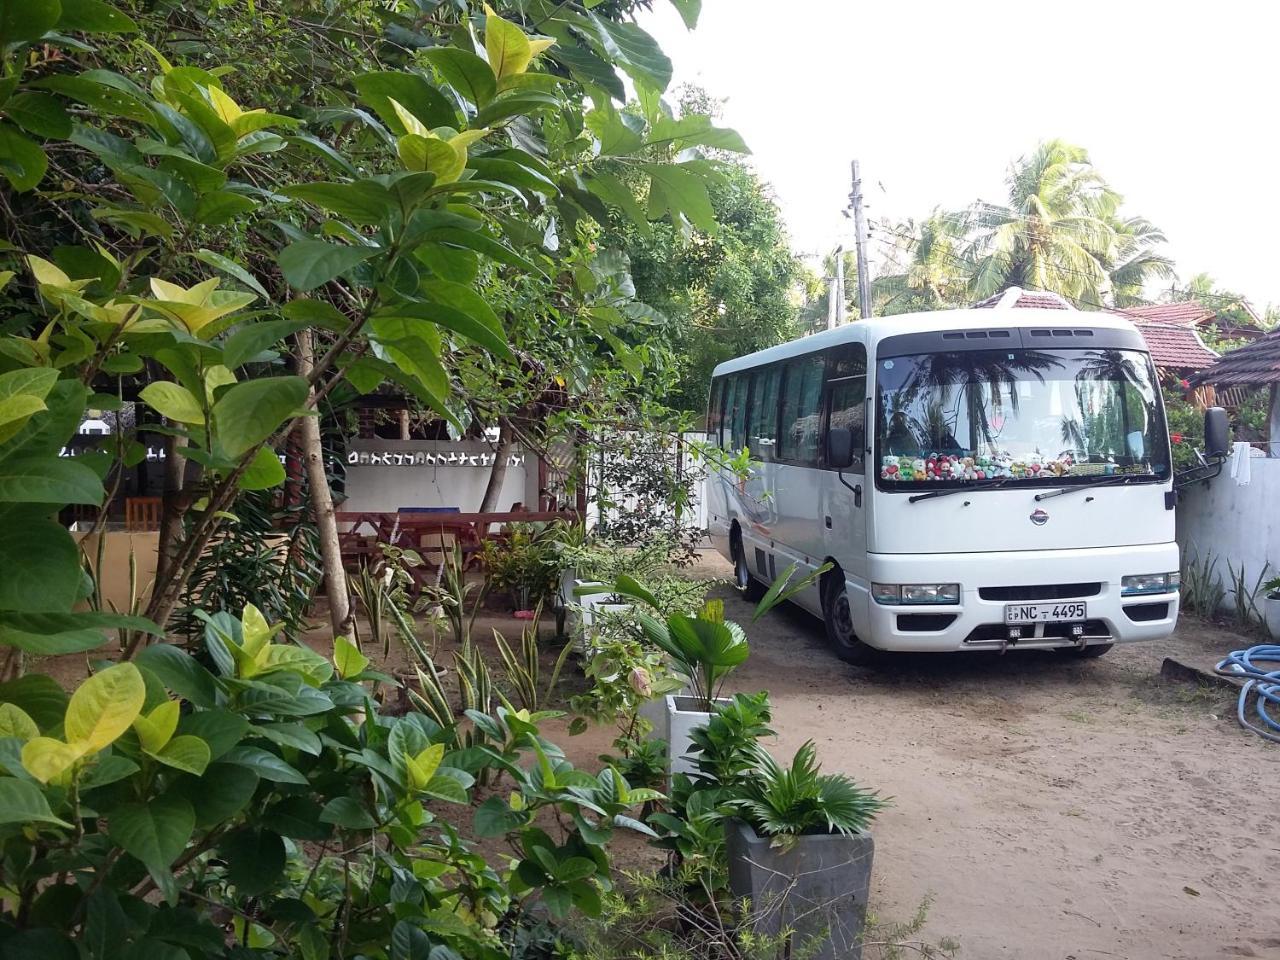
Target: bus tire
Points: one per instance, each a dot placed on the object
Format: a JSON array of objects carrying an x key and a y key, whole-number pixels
[
  {"x": 1089, "y": 652},
  {"x": 837, "y": 617},
  {"x": 752, "y": 590}
]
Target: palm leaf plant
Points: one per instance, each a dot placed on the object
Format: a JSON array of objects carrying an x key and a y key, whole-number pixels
[
  {"x": 788, "y": 802},
  {"x": 704, "y": 647}
]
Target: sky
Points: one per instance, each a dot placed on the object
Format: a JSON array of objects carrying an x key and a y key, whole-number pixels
[{"x": 1175, "y": 102}]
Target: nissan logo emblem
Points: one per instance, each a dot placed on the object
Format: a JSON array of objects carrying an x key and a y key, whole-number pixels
[{"x": 1039, "y": 518}]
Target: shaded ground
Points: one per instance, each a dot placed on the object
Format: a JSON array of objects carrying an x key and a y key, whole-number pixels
[{"x": 1052, "y": 808}]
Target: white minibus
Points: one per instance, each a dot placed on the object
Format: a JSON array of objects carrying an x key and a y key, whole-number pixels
[{"x": 979, "y": 479}]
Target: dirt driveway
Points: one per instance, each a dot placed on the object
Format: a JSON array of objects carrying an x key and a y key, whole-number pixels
[{"x": 1051, "y": 808}]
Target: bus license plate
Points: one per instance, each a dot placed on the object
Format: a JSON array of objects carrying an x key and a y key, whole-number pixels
[{"x": 1045, "y": 612}]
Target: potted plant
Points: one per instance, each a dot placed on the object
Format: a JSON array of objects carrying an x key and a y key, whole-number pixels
[
  {"x": 525, "y": 563},
  {"x": 704, "y": 649},
  {"x": 1271, "y": 607},
  {"x": 799, "y": 853}
]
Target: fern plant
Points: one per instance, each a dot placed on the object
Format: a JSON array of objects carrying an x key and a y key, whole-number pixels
[{"x": 786, "y": 803}]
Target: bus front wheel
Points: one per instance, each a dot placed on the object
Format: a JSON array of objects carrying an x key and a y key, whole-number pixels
[
  {"x": 750, "y": 588},
  {"x": 837, "y": 615}
]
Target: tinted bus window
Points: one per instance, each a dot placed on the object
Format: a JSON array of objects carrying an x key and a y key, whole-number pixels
[
  {"x": 715, "y": 411},
  {"x": 847, "y": 387},
  {"x": 736, "y": 411},
  {"x": 763, "y": 430},
  {"x": 800, "y": 425}
]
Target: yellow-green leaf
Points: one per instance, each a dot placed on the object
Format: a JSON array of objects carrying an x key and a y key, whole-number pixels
[
  {"x": 431, "y": 154},
  {"x": 506, "y": 44},
  {"x": 16, "y": 722},
  {"x": 187, "y": 753},
  {"x": 50, "y": 760},
  {"x": 304, "y": 661},
  {"x": 411, "y": 123},
  {"x": 423, "y": 767},
  {"x": 104, "y": 707},
  {"x": 157, "y": 728},
  {"x": 173, "y": 401},
  {"x": 348, "y": 658},
  {"x": 255, "y": 632}
]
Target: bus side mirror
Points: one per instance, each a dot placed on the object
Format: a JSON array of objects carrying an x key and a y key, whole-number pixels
[
  {"x": 1215, "y": 432},
  {"x": 839, "y": 448}
]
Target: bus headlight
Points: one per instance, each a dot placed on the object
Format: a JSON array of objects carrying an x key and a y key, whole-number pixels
[
  {"x": 915, "y": 593},
  {"x": 1141, "y": 584}
]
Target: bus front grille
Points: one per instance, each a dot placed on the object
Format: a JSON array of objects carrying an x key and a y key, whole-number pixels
[{"x": 1040, "y": 591}]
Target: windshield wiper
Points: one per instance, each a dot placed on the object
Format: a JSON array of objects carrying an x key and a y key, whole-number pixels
[
  {"x": 1105, "y": 482},
  {"x": 983, "y": 485}
]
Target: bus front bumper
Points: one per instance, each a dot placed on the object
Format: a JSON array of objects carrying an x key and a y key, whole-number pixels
[{"x": 989, "y": 582}]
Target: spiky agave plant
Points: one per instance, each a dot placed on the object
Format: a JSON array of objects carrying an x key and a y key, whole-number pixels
[{"x": 788, "y": 802}]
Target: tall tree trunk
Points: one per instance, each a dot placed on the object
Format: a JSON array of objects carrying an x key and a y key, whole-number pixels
[
  {"x": 173, "y": 507},
  {"x": 498, "y": 474},
  {"x": 335, "y": 576}
]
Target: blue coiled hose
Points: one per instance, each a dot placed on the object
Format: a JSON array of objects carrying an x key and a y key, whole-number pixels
[{"x": 1262, "y": 686}]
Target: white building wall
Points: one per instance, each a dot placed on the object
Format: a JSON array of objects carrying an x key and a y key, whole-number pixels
[
  {"x": 386, "y": 475},
  {"x": 1234, "y": 523}
]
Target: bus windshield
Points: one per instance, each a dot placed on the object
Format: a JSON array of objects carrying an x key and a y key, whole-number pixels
[{"x": 1030, "y": 416}]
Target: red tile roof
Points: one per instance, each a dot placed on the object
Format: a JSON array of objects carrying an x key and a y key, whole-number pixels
[
  {"x": 1255, "y": 363},
  {"x": 1187, "y": 314},
  {"x": 1174, "y": 345},
  {"x": 1027, "y": 300}
]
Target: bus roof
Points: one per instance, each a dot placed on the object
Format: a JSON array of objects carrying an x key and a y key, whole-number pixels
[{"x": 872, "y": 331}]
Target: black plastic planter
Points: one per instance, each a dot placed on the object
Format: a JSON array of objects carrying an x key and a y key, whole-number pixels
[{"x": 818, "y": 887}]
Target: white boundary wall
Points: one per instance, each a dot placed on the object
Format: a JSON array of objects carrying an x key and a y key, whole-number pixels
[{"x": 1233, "y": 523}]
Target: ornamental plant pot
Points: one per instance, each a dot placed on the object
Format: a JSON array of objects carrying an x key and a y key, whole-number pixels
[
  {"x": 656, "y": 712},
  {"x": 817, "y": 887},
  {"x": 1271, "y": 613},
  {"x": 684, "y": 715}
]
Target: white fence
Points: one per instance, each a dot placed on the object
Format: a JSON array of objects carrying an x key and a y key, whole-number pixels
[
  {"x": 1235, "y": 524},
  {"x": 386, "y": 475}
]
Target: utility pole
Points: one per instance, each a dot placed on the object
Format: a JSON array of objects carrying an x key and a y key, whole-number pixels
[
  {"x": 835, "y": 297},
  {"x": 860, "y": 241}
]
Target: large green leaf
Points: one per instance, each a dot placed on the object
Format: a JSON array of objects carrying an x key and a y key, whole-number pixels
[
  {"x": 485, "y": 328},
  {"x": 348, "y": 813},
  {"x": 470, "y": 76},
  {"x": 617, "y": 194},
  {"x": 48, "y": 480},
  {"x": 22, "y": 802},
  {"x": 39, "y": 696},
  {"x": 179, "y": 672},
  {"x": 22, "y": 160},
  {"x": 48, "y": 432},
  {"x": 93, "y": 16},
  {"x": 412, "y": 92},
  {"x": 155, "y": 832},
  {"x": 363, "y": 202},
  {"x": 677, "y": 191},
  {"x": 173, "y": 401},
  {"x": 266, "y": 471},
  {"x": 52, "y": 634},
  {"x": 255, "y": 858},
  {"x": 264, "y": 764},
  {"x": 27, "y": 20},
  {"x": 41, "y": 565},
  {"x": 222, "y": 793},
  {"x": 41, "y": 114},
  {"x": 250, "y": 412},
  {"x": 689, "y": 11},
  {"x": 414, "y": 347},
  {"x": 251, "y": 339},
  {"x": 695, "y": 131},
  {"x": 308, "y": 264},
  {"x": 229, "y": 266},
  {"x": 633, "y": 50}
]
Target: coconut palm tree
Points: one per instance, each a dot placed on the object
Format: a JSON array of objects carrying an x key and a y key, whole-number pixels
[
  {"x": 1132, "y": 261},
  {"x": 929, "y": 271},
  {"x": 1054, "y": 231}
]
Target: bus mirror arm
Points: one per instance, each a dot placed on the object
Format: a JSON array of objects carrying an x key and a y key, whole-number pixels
[{"x": 856, "y": 488}]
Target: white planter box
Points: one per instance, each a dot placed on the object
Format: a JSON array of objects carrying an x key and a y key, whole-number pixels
[
  {"x": 683, "y": 718},
  {"x": 657, "y": 713},
  {"x": 1271, "y": 613}
]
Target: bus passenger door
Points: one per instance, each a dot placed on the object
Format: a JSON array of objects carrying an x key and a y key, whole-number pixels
[
  {"x": 847, "y": 492},
  {"x": 759, "y": 504}
]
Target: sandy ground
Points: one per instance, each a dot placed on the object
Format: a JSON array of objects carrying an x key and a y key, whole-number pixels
[{"x": 1049, "y": 807}]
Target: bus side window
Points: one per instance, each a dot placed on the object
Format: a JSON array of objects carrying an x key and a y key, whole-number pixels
[
  {"x": 763, "y": 429},
  {"x": 800, "y": 424},
  {"x": 715, "y": 411},
  {"x": 847, "y": 386},
  {"x": 736, "y": 412}
]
